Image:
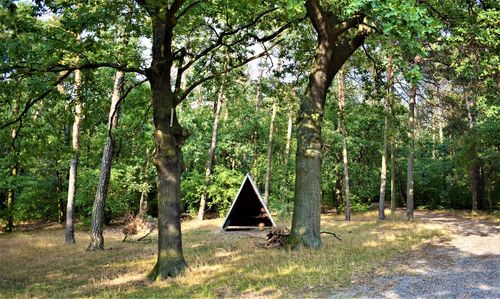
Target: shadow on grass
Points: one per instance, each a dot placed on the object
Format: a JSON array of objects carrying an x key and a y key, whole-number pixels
[{"x": 38, "y": 264}]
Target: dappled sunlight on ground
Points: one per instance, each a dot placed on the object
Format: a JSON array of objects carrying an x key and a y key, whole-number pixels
[{"x": 225, "y": 264}]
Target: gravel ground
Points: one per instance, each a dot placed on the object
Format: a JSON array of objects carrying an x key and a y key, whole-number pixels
[{"x": 467, "y": 266}]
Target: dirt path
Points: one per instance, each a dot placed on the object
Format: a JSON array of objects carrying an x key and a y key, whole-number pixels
[{"x": 466, "y": 266}]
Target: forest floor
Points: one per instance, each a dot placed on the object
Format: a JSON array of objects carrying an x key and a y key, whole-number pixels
[
  {"x": 35, "y": 262},
  {"x": 465, "y": 264}
]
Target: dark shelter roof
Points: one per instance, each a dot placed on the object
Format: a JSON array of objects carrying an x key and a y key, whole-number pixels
[{"x": 248, "y": 209}]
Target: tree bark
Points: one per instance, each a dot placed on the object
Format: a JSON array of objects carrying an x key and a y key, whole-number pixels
[
  {"x": 96, "y": 234},
  {"x": 169, "y": 138},
  {"x": 331, "y": 43},
  {"x": 411, "y": 151},
  {"x": 269, "y": 155},
  {"x": 213, "y": 147},
  {"x": 73, "y": 169}
]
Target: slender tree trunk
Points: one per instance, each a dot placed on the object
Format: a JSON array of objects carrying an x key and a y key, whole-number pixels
[
  {"x": 211, "y": 152},
  {"x": 73, "y": 169},
  {"x": 258, "y": 90},
  {"x": 344, "y": 144},
  {"x": 96, "y": 234},
  {"x": 60, "y": 201},
  {"x": 400, "y": 183},
  {"x": 383, "y": 168},
  {"x": 256, "y": 132},
  {"x": 473, "y": 167},
  {"x": 288, "y": 139},
  {"x": 11, "y": 194},
  {"x": 338, "y": 193},
  {"x": 269, "y": 155},
  {"x": 393, "y": 178},
  {"x": 143, "y": 202},
  {"x": 411, "y": 151}
]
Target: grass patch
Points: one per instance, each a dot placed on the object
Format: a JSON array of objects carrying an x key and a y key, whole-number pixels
[{"x": 231, "y": 264}]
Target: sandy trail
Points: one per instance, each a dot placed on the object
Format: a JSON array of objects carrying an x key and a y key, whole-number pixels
[{"x": 465, "y": 266}]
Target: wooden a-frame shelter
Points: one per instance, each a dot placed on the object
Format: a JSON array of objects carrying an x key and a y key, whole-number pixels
[{"x": 248, "y": 209}]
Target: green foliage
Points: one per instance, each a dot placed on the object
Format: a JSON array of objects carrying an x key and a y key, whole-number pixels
[{"x": 458, "y": 43}]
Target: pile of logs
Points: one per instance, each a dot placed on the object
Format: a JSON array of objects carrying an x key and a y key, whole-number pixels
[
  {"x": 138, "y": 226},
  {"x": 277, "y": 237}
]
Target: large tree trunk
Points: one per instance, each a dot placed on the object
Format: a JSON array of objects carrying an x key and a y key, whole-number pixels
[
  {"x": 411, "y": 152},
  {"x": 342, "y": 130},
  {"x": 269, "y": 155},
  {"x": 306, "y": 214},
  {"x": 168, "y": 161},
  {"x": 211, "y": 152},
  {"x": 169, "y": 138},
  {"x": 73, "y": 169},
  {"x": 383, "y": 168},
  {"x": 96, "y": 234},
  {"x": 331, "y": 43}
]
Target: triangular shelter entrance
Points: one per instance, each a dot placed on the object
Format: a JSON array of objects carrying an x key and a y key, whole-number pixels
[{"x": 248, "y": 209}]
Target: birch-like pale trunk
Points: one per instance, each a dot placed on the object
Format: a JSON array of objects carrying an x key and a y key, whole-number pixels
[
  {"x": 73, "y": 168},
  {"x": 269, "y": 155},
  {"x": 96, "y": 234},
  {"x": 211, "y": 151}
]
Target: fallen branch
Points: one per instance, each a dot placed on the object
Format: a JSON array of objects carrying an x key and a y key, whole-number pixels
[{"x": 330, "y": 233}]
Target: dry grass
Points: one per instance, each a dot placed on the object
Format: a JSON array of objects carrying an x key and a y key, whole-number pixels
[{"x": 231, "y": 264}]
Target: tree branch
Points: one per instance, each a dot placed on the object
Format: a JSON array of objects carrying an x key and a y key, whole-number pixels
[
  {"x": 318, "y": 18},
  {"x": 189, "y": 7},
  {"x": 221, "y": 36},
  {"x": 174, "y": 8},
  {"x": 122, "y": 97},
  {"x": 60, "y": 67},
  {"x": 30, "y": 103},
  {"x": 188, "y": 90},
  {"x": 348, "y": 24}
]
